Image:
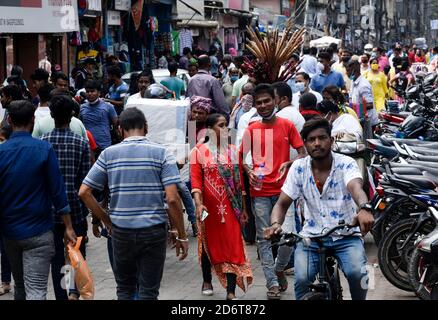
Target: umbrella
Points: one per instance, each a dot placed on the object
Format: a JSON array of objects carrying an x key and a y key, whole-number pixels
[{"x": 325, "y": 42}]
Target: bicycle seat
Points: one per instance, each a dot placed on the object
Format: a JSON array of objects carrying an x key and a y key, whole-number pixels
[{"x": 419, "y": 181}]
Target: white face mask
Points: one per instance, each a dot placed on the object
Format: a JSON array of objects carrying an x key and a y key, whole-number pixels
[
  {"x": 301, "y": 87},
  {"x": 321, "y": 67}
]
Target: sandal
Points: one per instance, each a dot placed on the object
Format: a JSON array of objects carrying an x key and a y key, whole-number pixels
[
  {"x": 5, "y": 288},
  {"x": 207, "y": 291},
  {"x": 273, "y": 293},
  {"x": 282, "y": 281}
]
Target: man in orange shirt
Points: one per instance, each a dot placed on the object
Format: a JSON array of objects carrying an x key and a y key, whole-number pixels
[{"x": 269, "y": 165}]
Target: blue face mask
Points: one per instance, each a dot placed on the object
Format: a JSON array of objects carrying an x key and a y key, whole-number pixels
[
  {"x": 300, "y": 86},
  {"x": 234, "y": 78}
]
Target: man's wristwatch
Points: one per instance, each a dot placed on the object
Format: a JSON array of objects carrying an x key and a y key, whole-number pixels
[{"x": 366, "y": 206}]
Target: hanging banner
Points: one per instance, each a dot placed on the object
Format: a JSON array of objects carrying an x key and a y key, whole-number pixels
[
  {"x": 38, "y": 16},
  {"x": 137, "y": 11}
]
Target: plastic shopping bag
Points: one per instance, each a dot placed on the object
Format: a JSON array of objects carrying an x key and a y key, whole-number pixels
[{"x": 83, "y": 279}]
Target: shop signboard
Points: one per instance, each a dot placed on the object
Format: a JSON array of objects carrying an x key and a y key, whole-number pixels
[
  {"x": 114, "y": 18},
  {"x": 38, "y": 16},
  {"x": 434, "y": 24},
  {"x": 123, "y": 5}
]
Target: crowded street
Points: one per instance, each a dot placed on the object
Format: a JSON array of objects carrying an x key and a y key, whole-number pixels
[{"x": 218, "y": 150}]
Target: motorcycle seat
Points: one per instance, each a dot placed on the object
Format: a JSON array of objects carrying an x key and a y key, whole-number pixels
[
  {"x": 410, "y": 171},
  {"x": 425, "y": 151},
  {"x": 426, "y": 158},
  {"x": 420, "y": 181},
  {"x": 433, "y": 165}
]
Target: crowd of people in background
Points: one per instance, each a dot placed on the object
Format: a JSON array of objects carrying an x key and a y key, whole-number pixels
[{"x": 70, "y": 150}]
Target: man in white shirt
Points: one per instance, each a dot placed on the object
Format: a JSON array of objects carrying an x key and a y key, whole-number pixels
[
  {"x": 332, "y": 189},
  {"x": 283, "y": 97},
  {"x": 302, "y": 83},
  {"x": 341, "y": 66},
  {"x": 361, "y": 91},
  {"x": 309, "y": 64}
]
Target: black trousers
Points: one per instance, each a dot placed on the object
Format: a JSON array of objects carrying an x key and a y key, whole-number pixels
[{"x": 206, "y": 274}]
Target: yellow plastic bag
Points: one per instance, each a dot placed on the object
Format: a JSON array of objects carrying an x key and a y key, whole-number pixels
[{"x": 83, "y": 279}]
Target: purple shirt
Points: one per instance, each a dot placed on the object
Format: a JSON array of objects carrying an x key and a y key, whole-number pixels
[{"x": 205, "y": 85}]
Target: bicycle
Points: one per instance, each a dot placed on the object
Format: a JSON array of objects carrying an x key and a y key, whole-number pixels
[{"x": 328, "y": 286}]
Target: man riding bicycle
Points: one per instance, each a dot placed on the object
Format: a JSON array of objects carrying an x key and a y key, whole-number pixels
[{"x": 331, "y": 186}]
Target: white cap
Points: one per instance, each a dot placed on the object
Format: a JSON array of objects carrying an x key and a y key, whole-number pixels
[{"x": 368, "y": 47}]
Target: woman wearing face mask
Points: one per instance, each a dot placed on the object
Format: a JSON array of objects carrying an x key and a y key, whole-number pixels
[
  {"x": 302, "y": 84},
  {"x": 342, "y": 123},
  {"x": 378, "y": 81},
  {"x": 335, "y": 95}
]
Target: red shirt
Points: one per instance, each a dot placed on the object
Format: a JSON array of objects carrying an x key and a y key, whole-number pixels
[{"x": 270, "y": 144}]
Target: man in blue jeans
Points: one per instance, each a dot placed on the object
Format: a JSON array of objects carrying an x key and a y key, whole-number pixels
[
  {"x": 30, "y": 185},
  {"x": 331, "y": 186},
  {"x": 139, "y": 174},
  {"x": 258, "y": 140}
]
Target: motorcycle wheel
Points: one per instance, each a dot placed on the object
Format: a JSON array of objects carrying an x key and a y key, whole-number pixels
[
  {"x": 391, "y": 218},
  {"x": 393, "y": 260},
  {"x": 416, "y": 268},
  {"x": 314, "y": 296}
]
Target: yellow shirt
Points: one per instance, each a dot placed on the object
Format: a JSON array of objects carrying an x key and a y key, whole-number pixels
[
  {"x": 339, "y": 67},
  {"x": 380, "y": 88}
]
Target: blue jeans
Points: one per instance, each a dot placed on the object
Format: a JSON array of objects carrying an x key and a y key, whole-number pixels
[
  {"x": 139, "y": 256},
  {"x": 6, "y": 267},
  {"x": 187, "y": 200},
  {"x": 285, "y": 253},
  {"x": 350, "y": 254},
  {"x": 262, "y": 210}
]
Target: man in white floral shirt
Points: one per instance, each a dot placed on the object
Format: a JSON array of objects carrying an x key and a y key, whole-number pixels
[{"x": 331, "y": 186}]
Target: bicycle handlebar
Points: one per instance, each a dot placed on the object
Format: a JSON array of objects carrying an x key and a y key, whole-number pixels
[{"x": 290, "y": 238}]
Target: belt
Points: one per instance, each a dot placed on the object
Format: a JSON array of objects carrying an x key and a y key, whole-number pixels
[{"x": 154, "y": 227}]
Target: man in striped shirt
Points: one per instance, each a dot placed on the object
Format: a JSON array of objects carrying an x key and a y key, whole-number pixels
[{"x": 139, "y": 174}]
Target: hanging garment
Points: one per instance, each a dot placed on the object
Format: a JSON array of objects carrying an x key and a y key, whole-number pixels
[{"x": 185, "y": 39}]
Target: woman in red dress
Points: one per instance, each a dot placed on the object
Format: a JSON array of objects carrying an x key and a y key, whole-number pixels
[{"x": 220, "y": 210}]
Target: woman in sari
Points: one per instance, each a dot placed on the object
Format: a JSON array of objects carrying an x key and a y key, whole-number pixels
[{"x": 220, "y": 210}]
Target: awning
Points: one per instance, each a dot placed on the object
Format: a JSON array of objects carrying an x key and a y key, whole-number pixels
[{"x": 197, "y": 24}]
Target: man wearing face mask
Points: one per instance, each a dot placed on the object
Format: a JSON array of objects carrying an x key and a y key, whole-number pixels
[
  {"x": 227, "y": 87},
  {"x": 259, "y": 140},
  {"x": 327, "y": 77},
  {"x": 364, "y": 64},
  {"x": 302, "y": 83},
  {"x": 341, "y": 66},
  {"x": 361, "y": 92}
]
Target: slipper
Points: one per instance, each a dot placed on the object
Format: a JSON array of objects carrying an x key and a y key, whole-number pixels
[{"x": 273, "y": 294}]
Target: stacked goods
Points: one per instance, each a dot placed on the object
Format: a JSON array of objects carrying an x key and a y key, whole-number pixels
[{"x": 272, "y": 52}]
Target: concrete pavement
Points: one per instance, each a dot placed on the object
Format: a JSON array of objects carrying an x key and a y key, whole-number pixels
[{"x": 182, "y": 280}]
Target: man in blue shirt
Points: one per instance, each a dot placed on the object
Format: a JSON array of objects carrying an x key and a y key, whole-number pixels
[
  {"x": 327, "y": 77},
  {"x": 140, "y": 173},
  {"x": 30, "y": 184},
  {"x": 118, "y": 89},
  {"x": 98, "y": 116}
]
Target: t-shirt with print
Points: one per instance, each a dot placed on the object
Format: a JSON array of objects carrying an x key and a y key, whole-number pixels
[
  {"x": 324, "y": 210},
  {"x": 270, "y": 144}
]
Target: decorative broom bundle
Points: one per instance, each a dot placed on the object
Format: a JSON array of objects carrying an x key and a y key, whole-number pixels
[{"x": 273, "y": 51}]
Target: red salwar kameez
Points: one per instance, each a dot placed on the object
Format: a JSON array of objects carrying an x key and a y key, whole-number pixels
[{"x": 220, "y": 233}]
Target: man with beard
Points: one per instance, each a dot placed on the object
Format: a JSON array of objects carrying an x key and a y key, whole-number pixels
[{"x": 331, "y": 186}]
